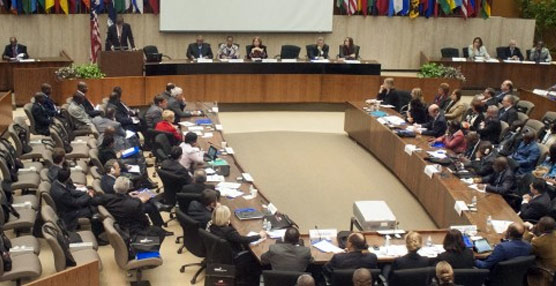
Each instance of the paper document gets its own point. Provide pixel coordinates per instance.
(327, 247)
(394, 120)
(201, 60)
(270, 60)
(252, 233)
(528, 62)
(230, 185)
(492, 61)
(186, 123)
(214, 109)
(410, 148)
(215, 178)
(196, 128)
(210, 171)
(229, 150)
(235, 60)
(272, 208)
(230, 193)
(440, 154)
(208, 135)
(476, 188)
(390, 231)
(430, 170)
(467, 229)
(276, 234)
(247, 177)
(135, 120)
(218, 127)
(460, 207)
(134, 169)
(387, 106)
(431, 251)
(468, 181)
(500, 225)
(321, 61)
(129, 134)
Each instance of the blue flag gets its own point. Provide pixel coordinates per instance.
(390, 8)
(430, 9)
(405, 8)
(111, 13)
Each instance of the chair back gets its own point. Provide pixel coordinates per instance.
(184, 199)
(57, 251)
(48, 200)
(105, 213)
(522, 116)
(449, 53)
(289, 52)
(414, 277)
(465, 51)
(161, 147)
(97, 187)
(536, 125)
(172, 185)
(543, 153)
(470, 277)
(403, 99)
(525, 106)
(93, 157)
(56, 137)
(95, 172)
(549, 117)
(248, 50)
(117, 243)
(501, 53)
(504, 128)
(218, 250)
(281, 278)
(15, 138)
(511, 272)
(4, 169)
(191, 239)
(28, 108)
(341, 277)
(48, 214)
(150, 49)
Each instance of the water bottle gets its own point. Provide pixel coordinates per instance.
(474, 202)
(266, 225)
(386, 244)
(489, 222)
(429, 241)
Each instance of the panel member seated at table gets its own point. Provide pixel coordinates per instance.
(455, 139)
(473, 117)
(536, 204)
(258, 50)
(228, 50)
(388, 93)
(288, 255)
(539, 53)
(199, 50)
(319, 51)
(201, 210)
(512, 52)
(513, 247)
(501, 181)
(456, 253)
(119, 36)
(442, 97)
(356, 256)
(437, 125)
(166, 124)
(348, 50)
(13, 49)
(413, 242)
(477, 49)
(455, 108)
(417, 110)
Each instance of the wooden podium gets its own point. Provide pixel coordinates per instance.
(121, 63)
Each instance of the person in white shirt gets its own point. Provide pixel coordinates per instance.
(477, 49)
(192, 155)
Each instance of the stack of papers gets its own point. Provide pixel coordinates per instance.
(392, 120)
(134, 169)
(276, 234)
(186, 123)
(229, 189)
(440, 154)
(476, 188)
(401, 250)
(327, 247)
(500, 225)
(215, 178)
(252, 233)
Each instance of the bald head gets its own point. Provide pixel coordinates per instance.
(305, 280)
(82, 86)
(362, 277)
(356, 242)
(434, 110)
(109, 131)
(515, 231)
(46, 88)
(492, 111)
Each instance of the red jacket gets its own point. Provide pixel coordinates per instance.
(167, 127)
(455, 142)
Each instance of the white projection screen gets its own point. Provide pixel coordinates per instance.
(246, 15)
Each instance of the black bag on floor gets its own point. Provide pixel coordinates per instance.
(142, 243)
(220, 275)
(63, 242)
(5, 245)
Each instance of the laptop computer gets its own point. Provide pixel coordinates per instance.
(211, 154)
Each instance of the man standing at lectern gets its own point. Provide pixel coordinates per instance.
(13, 49)
(119, 35)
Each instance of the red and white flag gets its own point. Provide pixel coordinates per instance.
(96, 43)
(350, 6)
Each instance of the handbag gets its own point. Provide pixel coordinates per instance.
(5, 245)
(144, 243)
(63, 242)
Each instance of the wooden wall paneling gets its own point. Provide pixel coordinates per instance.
(393, 41)
(193, 86)
(6, 115)
(342, 88)
(542, 104)
(133, 88)
(28, 81)
(292, 88)
(232, 88)
(87, 275)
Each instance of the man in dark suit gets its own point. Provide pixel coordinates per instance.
(489, 95)
(82, 89)
(512, 52)
(154, 113)
(201, 210)
(167, 93)
(490, 129)
(437, 126)
(13, 49)
(319, 51)
(111, 173)
(49, 104)
(508, 112)
(176, 103)
(513, 247)
(173, 166)
(525, 157)
(502, 180)
(119, 34)
(71, 204)
(42, 116)
(354, 257)
(123, 114)
(198, 185)
(537, 204)
(199, 49)
(288, 255)
(505, 88)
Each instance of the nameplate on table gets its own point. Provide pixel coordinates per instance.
(323, 61)
(492, 61)
(288, 60)
(430, 170)
(235, 60)
(512, 61)
(270, 60)
(528, 62)
(352, 61)
(457, 59)
(204, 60)
(322, 234)
(410, 148)
(500, 226)
(460, 207)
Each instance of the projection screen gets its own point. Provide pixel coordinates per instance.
(246, 15)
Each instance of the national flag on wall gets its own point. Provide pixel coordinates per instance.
(445, 6)
(64, 6)
(137, 6)
(364, 7)
(111, 12)
(397, 6)
(119, 5)
(350, 6)
(382, 6)
(96, 43)
(48, 4)
(485, 8)
(154, 5)
(414, 11)
(431, 4)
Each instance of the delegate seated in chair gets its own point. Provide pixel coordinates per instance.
(513, 247)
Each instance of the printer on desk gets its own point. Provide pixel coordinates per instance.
(374, 215)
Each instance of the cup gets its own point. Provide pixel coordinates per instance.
(224, 144)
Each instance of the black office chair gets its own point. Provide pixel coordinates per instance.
(172, 185)
(309, 48)
(527, 53)
(248, 50)
(289, 52)
(511, 272)
(218, 250)
(184, 199)
(465, 52)
(281, 278)
(344, 277)
(470, 277)
(161, 147)
(548, 118)
(192, 241)
(501, 53)
(449, 52)
(356, 47)
(413, 277)
(404, 97)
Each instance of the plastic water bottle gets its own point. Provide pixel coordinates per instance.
(429, 241)
(489, 222)
(387, 241)
(266, 225)
(474, 202)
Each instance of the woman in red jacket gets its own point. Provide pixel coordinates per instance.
(166, 124)
(454, 139)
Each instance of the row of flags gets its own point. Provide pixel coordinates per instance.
(416, 8)
(78, 6)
